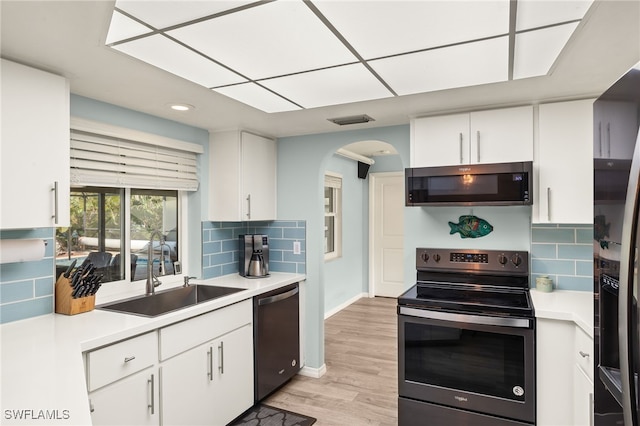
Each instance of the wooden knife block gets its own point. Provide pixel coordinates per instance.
(67, 305)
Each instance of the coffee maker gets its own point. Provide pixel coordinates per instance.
(253, 255)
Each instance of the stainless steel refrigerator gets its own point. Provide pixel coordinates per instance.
(616, 248)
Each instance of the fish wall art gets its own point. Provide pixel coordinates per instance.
(470, 226)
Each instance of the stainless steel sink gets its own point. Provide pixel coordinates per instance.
(169, 300)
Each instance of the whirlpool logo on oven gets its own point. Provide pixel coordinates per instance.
(460, 398)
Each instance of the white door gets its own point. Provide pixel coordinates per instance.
(386, 221)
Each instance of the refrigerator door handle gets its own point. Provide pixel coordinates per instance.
(627, 258)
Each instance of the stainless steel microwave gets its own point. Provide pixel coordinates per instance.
(497, 184)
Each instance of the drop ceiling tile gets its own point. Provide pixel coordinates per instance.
(536, 51)
(538, 13)
(162, 14)
(380, 28)
(170, 56)
(257, 97)
(331, 86)
(269, 40)
(122, 28)
(457, 66)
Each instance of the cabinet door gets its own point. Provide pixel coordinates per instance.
(582, 398)
(565, 164)
(440, 141)
(502, 135)
(233, 370)
(34, 148)
(615, 129)
(258, 177)
(211, 384)
(131, 401)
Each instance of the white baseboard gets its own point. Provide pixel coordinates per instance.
(315, 373)
(344, 305)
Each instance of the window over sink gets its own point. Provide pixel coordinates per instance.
(111, 228)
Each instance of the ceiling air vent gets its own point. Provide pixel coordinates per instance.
(354, 119)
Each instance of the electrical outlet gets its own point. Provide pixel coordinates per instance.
(296, 247)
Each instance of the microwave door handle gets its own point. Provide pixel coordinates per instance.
(627, 267)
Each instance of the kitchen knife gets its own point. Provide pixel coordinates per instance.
(77, 291)
(67, 273)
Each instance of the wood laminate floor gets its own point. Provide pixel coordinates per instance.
(360, 386)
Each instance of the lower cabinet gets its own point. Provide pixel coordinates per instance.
(582, 398)
(211, 384)
(130, 401)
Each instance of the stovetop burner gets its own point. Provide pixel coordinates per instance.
(490, 282)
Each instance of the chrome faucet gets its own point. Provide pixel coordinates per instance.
(152, 280)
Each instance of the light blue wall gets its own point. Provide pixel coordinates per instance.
(347, 276)
(565, 254)
(92, 109)
(302, 161)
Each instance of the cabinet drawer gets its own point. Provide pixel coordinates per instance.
(121, 359)
(190, 333)
(584, 352)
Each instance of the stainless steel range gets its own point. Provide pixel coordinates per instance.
(466, 340)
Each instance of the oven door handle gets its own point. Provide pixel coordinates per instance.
(470, 319)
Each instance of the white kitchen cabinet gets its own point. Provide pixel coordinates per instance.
(212, 356)
(564, 163)
(123, 382)
(130, 401)
(242, 177)
(582, 379)
(219, 377)
(615, 127)
(491, 136)
(34, 150)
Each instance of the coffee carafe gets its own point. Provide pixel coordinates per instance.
(253, 256)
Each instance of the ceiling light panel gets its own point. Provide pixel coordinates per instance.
(269, 40)
(122, 28)
(381, 28)
(538, 13)
(536, 51)
(456, 66)
(170, 56)
(257, 97)
(331, 86)
(162, 14)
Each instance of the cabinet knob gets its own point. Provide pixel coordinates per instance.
(583, 354)
(129, 358)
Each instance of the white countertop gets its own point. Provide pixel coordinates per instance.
(43, 377)
(566, 305)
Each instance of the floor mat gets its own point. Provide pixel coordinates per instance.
(265, 415)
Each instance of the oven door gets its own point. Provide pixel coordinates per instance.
(471, 362)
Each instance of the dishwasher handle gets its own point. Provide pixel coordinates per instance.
(278, 297)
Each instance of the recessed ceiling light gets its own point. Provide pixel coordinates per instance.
(181, 107)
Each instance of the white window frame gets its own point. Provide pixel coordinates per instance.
(331, 180)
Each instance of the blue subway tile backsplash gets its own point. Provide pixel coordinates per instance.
(26, 288)
(564, 253)
(220, 245)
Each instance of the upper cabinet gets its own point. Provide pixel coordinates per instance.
(615, 128)
(242, 170)
(492, 136)
(564, 163)
(34, 148)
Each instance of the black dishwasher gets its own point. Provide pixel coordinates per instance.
(276, 335)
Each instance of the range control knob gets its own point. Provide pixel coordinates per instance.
(425, 256)
(436, 257)
(502, 259)
(516, 259)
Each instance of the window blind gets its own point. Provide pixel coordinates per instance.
(333, 181)
(99, 160)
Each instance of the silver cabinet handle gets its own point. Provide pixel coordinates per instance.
(91, 407)
(221, 357)
(549, 204)
(152, 405)
(249, 206)
(478, 144)
(583, 354)
(608, 140)
(55, 202)
(600, 138)
(591, 408)
(129, 358)
(210, 366)
(461, 158)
